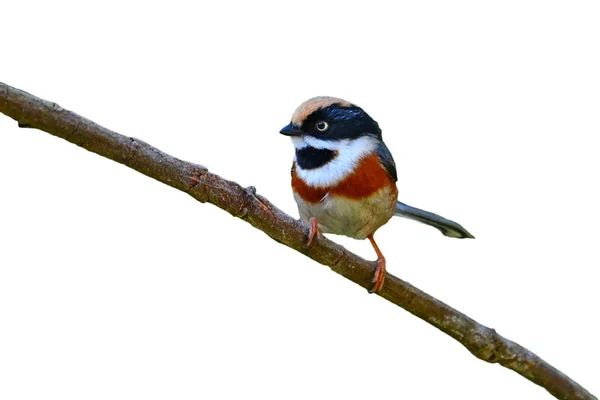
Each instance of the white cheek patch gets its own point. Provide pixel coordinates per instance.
(349, 153)
(301, 142)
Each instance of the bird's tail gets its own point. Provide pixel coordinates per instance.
(447, 227)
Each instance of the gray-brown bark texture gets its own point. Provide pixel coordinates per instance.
(244, 203)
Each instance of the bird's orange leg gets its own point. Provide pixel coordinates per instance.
(313, 232)
(380, 270)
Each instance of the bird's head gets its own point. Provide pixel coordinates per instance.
(329, 119)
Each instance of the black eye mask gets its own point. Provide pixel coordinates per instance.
(344, 123)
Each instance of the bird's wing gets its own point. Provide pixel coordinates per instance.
(386, 159)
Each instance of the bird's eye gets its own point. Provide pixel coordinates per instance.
(322, 126)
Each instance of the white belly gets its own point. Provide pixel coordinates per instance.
(354, 218)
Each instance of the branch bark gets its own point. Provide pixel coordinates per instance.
(483, 342)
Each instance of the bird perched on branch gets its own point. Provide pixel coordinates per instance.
(344, 176)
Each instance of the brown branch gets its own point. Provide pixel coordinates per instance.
(204, 186)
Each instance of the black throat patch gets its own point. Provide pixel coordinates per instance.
(311, 158)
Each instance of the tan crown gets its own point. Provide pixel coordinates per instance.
(314, 104)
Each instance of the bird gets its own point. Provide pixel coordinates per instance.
(344, 177)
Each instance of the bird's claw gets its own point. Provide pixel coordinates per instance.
(379, 276)
(313, 232)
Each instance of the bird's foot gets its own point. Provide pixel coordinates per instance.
(313, 232)
(379, 276)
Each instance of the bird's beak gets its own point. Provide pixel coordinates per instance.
(291, 130)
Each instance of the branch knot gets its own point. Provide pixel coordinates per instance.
(197, 180)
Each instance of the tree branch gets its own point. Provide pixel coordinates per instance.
(483, 342)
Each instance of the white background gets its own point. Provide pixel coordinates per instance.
(115, 286)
